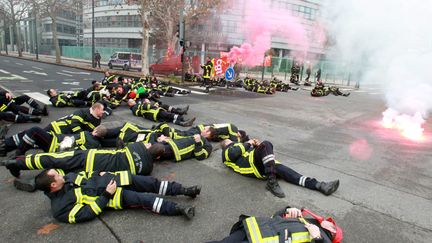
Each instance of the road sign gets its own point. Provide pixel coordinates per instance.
(229, 74)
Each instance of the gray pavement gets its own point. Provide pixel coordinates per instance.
(386, 185)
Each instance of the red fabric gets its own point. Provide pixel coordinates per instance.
(339, 233)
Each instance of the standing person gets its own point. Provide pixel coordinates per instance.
(207, 73)
(308, 73)
(318, 75)
(97, 59)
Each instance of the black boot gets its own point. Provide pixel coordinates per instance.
(12, 166)
(192, 191)
(346, 95)
(274, 188)
(327, 188)
(3, 131)
(186, 123)
(3, 151)
(187, 211)
(27, 185)
(182, 111)
(35, 119)
(45, 110)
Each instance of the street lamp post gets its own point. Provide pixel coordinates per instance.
(35, 34)
(93, 35)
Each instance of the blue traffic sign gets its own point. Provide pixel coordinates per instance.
(229, 74)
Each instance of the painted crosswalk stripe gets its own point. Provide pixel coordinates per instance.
(20, 64)
(64, 74)
(44, 99)
(37, 68)
(3, 71)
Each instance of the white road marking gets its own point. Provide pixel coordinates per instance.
(66, 71)
(44, 99)
(3, 71)
(71, 83)
(20, 64)
(38, 73)
(197, 92)
(87, 79)
(22, 90)
(37, 68)
(65, 74)
(26, 81)
(13, 77)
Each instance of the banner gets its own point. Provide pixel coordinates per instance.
(267, 61)
(220, 65)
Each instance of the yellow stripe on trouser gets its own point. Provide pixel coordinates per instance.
(255, 233)
(37, 161)
(28, 162)
(90, 160)
(252, 164)
(238, 169)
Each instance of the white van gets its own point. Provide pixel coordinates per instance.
(125, 60)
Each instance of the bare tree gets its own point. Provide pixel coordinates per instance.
(17, 10)
(5, 22)
(51, 9)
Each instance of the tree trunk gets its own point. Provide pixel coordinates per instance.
(145, 42)
(18, 35)
(5, 43)
(55, 39)
(171, 39)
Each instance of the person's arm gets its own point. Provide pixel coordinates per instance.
(203, 148)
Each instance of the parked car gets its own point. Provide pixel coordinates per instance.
(167, 66)
(125, 60)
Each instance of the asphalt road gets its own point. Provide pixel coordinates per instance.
(386, 185)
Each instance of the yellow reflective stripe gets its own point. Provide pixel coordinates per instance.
(187, 149)
(54, 143)
(115, 202)
(124, 177)
(131, 161)
(3, 107)
(73, 212)
(37, 161)
(80, 119)
(55, 127)
(251, 162)
(28, 162)
(75, 129)
(200, 127)
(300, 237)
(90, 160)
(243, 150)
(231, 131)
(81, 140)
(175, 150)
(60, 171)
(203, 151)
(79, 179)
(227, 158)
(59, 155)
(255, 233)
(95, 207)
(238, 169)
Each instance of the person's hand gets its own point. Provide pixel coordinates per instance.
(256, 142)
(146, 101)
(156, 104)
(250, 141)
(162, 138)
(102, 173)
(111, 187)
(313, 231)
(293, 213)
(9, 96)
(197, 138)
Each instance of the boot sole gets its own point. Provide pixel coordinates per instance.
(28, 187)
(277, 195)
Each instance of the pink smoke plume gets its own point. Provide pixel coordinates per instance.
(262, 23)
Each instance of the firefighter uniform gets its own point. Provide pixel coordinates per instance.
(80, 120)
(73, 100)
(207, 69)
(154, 113)
(14, 105)
(274, 229)
(131, 133)
(11, 117)
(37, 137)
(186, 148)
(83, 196)
(260, 162)
(134, 158)
(223, 131)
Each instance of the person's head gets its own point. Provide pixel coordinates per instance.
(156, 150)
(119, 89)
(100, 131)
(51, 92)
(131, 102)
(97, 110)
(107, 74)
(49, 180)
(225, 143)
(208, 59)
(242, 136)
(209, 132)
